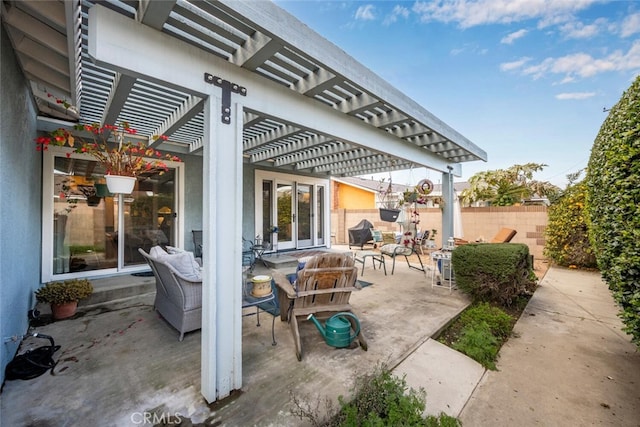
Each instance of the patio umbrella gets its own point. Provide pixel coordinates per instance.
(457, 218)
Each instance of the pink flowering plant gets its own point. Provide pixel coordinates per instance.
(123, 158)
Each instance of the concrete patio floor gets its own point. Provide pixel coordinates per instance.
(120, 362)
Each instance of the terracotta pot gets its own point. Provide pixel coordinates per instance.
(120, 184)
(64, 310)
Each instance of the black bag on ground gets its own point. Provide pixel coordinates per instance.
(32, 363)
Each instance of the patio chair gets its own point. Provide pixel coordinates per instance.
(408, 246)
(178, 297)
(197, 242)
(323, 286)
(503, 236)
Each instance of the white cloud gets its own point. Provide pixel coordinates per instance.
(366, 13)
(537, 71)
(469, 13)
(630, 25)
(510, 66)
(575, 95)
(510, 38)
(398, 11)
(578, 30)
(584, 65)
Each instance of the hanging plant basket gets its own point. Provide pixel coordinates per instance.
(390, 215)
(93, 201)
(120, 184)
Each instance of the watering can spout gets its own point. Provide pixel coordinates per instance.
(321, 328)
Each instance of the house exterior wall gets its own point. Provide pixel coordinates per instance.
(349, 197)
(529, 221)
(192, 199)
(248, 201)
(20, 207)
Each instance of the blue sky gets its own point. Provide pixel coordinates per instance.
(524, 80)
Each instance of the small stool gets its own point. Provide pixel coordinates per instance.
(361, 257)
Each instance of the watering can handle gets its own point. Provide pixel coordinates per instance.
(354, 317)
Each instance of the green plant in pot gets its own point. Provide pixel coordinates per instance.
(64, 296)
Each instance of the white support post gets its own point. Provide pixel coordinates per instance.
(447, 209)
(222, 275)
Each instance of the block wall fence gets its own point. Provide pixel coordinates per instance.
(529, 221)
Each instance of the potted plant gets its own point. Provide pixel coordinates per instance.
(387, 202)
(64, 296)
(122, 160)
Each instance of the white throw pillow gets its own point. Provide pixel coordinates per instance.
(174, 250)
(185, 264)
(157, 252)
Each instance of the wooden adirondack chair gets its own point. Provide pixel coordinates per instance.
(322, 287)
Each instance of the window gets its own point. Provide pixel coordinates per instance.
(88, 231)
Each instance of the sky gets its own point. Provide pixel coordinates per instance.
(525, 80)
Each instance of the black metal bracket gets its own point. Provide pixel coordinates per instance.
(227, 88)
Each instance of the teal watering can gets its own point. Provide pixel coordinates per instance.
(337, 329)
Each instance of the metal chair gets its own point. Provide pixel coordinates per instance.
(197, 242)
(405, 248)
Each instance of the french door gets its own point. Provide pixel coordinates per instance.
(295, 207)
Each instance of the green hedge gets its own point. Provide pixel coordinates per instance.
(494, 272)
(566, 239)
(613, 204)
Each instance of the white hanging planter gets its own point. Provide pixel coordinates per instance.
(120, 184)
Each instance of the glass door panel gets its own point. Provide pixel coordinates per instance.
(320, 232)
(82, 218)
(149, 216)
(267, 214)
(304, 214)
(284, 203)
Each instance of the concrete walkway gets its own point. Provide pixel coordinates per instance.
(569, 363)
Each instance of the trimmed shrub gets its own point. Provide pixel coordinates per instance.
(613, 204)
(494, 272)
(566, 239)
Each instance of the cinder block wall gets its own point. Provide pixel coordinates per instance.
(529, 221)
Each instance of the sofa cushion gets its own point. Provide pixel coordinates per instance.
(157, 252)
(395, 249)
(184, 263)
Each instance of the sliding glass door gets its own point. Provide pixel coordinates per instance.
(299, 209)
(89, 231)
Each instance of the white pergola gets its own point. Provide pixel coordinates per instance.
(235, 82)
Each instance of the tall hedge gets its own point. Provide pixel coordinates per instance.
(613, 204)
(566, 239)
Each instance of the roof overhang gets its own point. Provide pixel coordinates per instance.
(310, 107)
